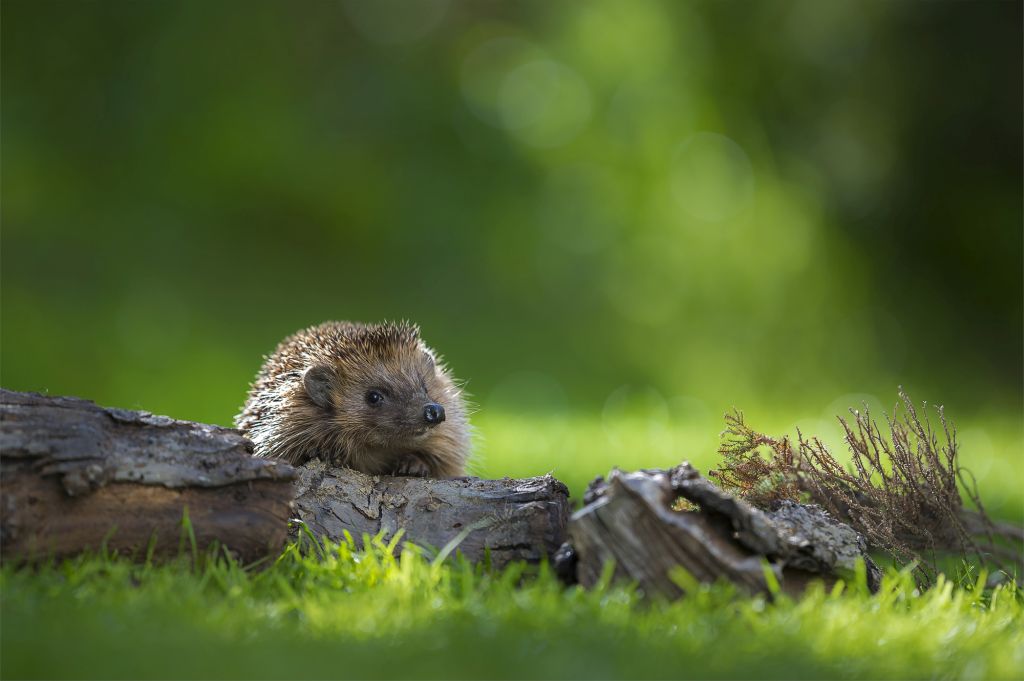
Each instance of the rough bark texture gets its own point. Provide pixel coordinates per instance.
(74, 476)
(629, 519)
(509, 519)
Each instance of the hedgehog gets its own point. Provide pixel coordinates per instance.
(371, 397)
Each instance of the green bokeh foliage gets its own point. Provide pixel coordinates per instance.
(762, 204)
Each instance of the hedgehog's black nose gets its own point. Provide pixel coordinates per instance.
(433, 413)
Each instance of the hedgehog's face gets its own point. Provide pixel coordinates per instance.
(392, 399)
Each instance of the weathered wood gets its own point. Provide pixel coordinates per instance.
(507, 519)
(629, 520)
(74, 476)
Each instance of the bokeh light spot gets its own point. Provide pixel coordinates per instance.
(526, 92)
(544, 103)
(484, 70)
(712, 177)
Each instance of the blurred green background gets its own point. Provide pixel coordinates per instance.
(615, 219)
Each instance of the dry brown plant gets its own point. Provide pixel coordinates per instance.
(903, 490)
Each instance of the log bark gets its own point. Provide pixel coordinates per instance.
(75, 476)
(500, 520)
(629, 521)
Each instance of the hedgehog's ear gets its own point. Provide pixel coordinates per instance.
(317, 381)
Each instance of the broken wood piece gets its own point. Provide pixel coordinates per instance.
(75, 476)
(505, 520)
(629, 520)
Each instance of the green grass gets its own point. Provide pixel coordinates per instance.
(364, 614)
(358, 614)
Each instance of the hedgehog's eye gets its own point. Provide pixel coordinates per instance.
(374, 397)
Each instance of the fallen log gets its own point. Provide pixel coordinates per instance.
(75, 476)
(503, 520)
(631, 520)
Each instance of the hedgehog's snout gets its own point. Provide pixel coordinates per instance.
(433, 413)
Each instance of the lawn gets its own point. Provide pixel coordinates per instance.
(350, 613)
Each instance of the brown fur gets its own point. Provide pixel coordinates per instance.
(284, 419)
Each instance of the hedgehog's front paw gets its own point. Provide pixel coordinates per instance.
(413, 467)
